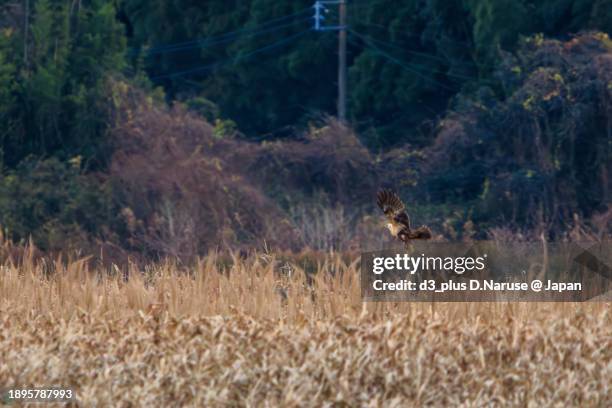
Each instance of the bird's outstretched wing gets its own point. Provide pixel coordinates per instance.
(393, 207)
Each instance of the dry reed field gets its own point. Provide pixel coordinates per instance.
(241, 332)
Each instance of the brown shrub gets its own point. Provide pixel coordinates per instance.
(184, 190)
(329, 160)
(180, 194)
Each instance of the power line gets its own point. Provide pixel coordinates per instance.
(226, 35)
(233, 59)
(409, 35)
(425, 55)
(399, 62)
(404, 49)
(229, 34)
(207, 43)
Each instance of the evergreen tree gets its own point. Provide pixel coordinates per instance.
(7, 88)
(59, 83)
(53, 75)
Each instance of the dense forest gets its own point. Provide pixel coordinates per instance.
(171, 127)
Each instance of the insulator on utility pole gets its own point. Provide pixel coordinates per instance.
(318, 16)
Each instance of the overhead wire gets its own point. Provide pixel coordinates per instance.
(407, 34)
(424, 55)
(404, 49)
(234, 59)
(400, 63)
(224, 36)
(207, 43)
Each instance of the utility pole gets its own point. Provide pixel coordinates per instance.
(26, 29)
(320, 8)
(342, 62)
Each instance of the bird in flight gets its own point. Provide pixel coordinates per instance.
(398, 220)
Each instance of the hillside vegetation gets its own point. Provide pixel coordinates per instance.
(481, 124)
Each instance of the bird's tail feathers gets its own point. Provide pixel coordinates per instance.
(420, 233)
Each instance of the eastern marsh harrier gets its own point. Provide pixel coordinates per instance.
(399, 222)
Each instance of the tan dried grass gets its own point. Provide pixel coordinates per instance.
(220, 334)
